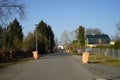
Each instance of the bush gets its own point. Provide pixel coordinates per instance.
(13, 55)
(117, 45)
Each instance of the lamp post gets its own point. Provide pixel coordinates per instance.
(49, 43)
(36, 38)
(35, 53)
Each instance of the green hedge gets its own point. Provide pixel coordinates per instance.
(13, 55)
(117, 45)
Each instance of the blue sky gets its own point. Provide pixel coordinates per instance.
(70, 14)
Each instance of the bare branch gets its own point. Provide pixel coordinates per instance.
(118, 31)
(118, 26)
(91, 31)
(10, 8)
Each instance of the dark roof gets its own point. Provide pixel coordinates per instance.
(98, 39)
(98, 36)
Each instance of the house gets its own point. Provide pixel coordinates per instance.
(60, 47)
(95, 40)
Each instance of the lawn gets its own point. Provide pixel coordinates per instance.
(104, 60)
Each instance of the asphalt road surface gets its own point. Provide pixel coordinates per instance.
(55, 66)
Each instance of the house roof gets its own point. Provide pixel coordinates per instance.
(98, 36)
(98, 39)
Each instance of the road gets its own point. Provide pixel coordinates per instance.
(55, 66)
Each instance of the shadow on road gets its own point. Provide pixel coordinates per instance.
(55, 55)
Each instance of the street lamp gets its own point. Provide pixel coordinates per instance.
(49, 43)
(35, 53)
(36, 38)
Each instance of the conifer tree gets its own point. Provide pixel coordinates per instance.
(42, 36)
(81, 36)
(45, 37)
(15, 35)
(51, 38)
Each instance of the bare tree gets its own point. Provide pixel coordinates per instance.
(118, 31)
(118, 26)
(91, 31)
(10, 8)
(73, 35)
(65, 38)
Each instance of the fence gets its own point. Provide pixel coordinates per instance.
(107, 52)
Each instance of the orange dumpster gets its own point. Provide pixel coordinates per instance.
(85, 57)
(35, 55)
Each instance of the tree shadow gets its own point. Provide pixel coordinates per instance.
(54, 55)
(94, 62)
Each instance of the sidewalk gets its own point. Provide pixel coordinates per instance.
(107, 72)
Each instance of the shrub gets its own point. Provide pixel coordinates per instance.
(117, 45)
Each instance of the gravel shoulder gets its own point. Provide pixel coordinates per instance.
(107, 72)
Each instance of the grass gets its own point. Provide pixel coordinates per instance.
(104, 60)
(4, 65)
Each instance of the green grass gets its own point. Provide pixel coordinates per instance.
(105, 60)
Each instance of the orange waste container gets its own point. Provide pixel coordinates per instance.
(35, 55)
(85, 57)
(67, 51)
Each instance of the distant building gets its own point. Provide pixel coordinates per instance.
(112, 42)
(95, 40)
(60, 47)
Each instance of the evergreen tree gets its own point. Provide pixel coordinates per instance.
(51, 38)
(81, 36)
(15, 37)
(42, 28)
(3, 38)
(45, 37)
(42, 36)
